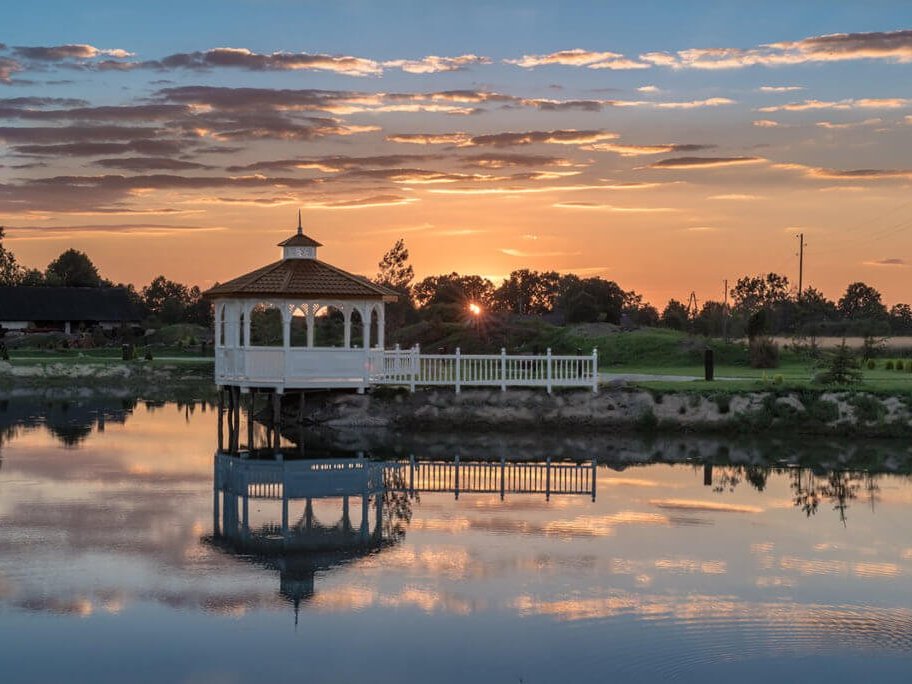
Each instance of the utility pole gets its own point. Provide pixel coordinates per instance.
(725, 310)
(692, 310)
(800, 237)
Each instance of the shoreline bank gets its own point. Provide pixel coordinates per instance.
(618, 407)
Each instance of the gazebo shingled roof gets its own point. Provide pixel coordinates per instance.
(301, 278)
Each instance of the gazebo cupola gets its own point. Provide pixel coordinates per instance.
(302, 290)
(299, 246)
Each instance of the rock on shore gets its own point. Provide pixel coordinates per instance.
(617, 409)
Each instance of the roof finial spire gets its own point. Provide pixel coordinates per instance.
(300, 229)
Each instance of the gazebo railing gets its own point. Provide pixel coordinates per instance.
(344, 367)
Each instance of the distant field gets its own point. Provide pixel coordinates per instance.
(898, 343)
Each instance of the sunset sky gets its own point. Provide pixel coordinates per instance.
(664, 145)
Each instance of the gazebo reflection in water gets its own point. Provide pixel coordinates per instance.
(266, 504)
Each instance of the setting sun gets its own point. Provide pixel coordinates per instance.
(474, 309)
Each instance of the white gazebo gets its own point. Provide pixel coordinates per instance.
(307, 296)
(298, 286)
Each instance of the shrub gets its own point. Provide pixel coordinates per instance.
(778, 379)
(763, 353)
(723, 402)
(868, 408)
(148, 354)
(899, 365)
(872, 346)
(647, 421)
(822, 410)
(888, 365)
(871, 364)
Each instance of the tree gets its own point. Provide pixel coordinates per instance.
(752, 293)
(528, 292)
(610, 300)
(711, 319)
(167, 300)
(454, 288)
(395, 271)
(901, 319)
(581, 307)
(73, 269)
(32, 277)
(861, 301)
(10, 271)
(675, 316)
(813, 308)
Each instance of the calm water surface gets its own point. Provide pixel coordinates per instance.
(123, 557)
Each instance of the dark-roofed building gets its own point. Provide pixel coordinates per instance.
(66, 308)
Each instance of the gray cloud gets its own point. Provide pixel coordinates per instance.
(111, 193)
(888, 262)
(26, 102)
(94, 149)
(703, 162)
(44, 135)
(148, 112)
(890, 45)
(336, 162)
(65, 52)
(140, 164)
(7, 68)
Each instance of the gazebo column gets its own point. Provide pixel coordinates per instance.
(365, 312)
(247, 308)
(311, 310)
(347, 315)
(237, 324)
(286, 326)
(381, 326)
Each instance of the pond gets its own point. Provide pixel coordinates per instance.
(131, 551)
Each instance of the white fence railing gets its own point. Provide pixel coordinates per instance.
(411, 368)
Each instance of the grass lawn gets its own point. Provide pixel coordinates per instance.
(795, 375)
(22, 357)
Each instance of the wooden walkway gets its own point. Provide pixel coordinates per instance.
(411, 368)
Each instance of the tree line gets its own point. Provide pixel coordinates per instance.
(759, 304)
(162, 302)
